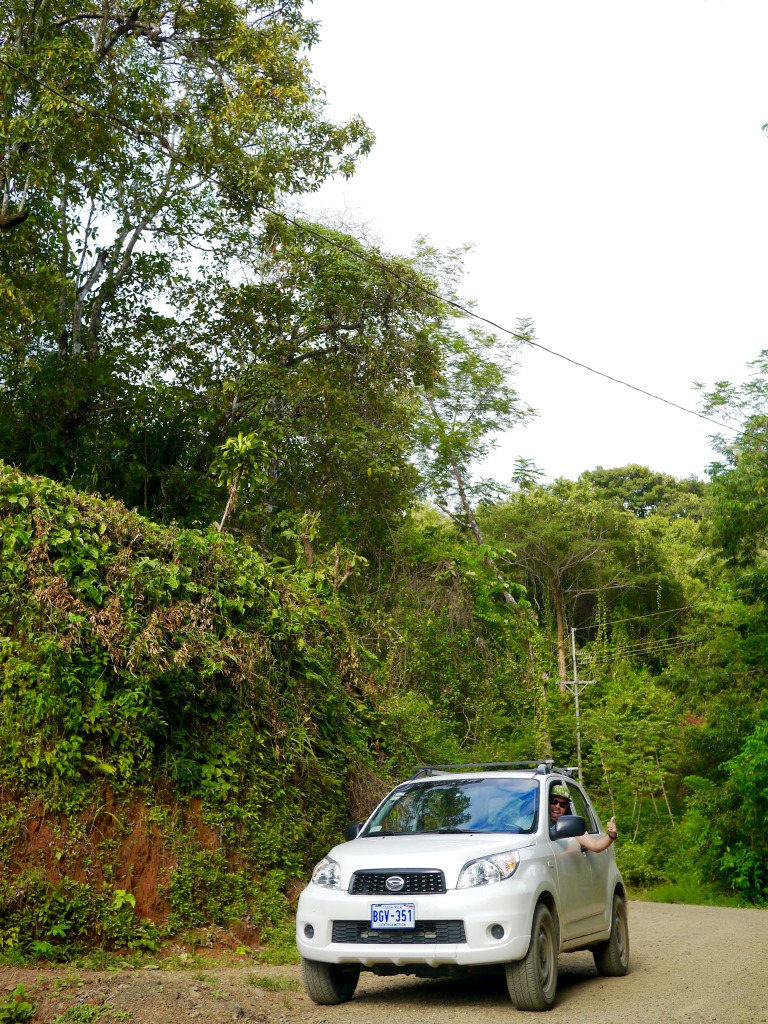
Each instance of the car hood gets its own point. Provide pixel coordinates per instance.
(448, 853)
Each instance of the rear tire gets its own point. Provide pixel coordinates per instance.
(532, 981)
(328, 984)
(612, 957)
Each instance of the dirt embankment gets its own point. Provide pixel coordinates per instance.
(113, 844)
(688, 964)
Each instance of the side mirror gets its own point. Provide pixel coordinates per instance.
(567, 827)
(352, 831)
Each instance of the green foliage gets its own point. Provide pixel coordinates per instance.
(126, 649)
(642, 492)
(242, 459)
(49, 921)
(119, 636)
(111, 118)
(740, 477)
(295, 391)
(272, 984)
(413, 723)
(321, 355)
(15, 1009)
(140, 149)
(86, 1013)
(576, 549)
(688, 892)
(251, 708)
(204, 888)
(740, 521)
(724, 824)
(470, 401)
(280, 944)
(638, 867)
(633, 741)
(456, 653)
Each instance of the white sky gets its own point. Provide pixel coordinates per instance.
(606, 159)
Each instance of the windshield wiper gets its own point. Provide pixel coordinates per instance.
(446, 831)
(423, 832)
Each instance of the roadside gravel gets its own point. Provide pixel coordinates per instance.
(688, 964)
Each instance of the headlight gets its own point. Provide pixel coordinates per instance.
(488, 869)
(327, 873)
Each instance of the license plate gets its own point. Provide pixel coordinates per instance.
(393, 915)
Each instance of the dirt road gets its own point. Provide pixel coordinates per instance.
(688, 964)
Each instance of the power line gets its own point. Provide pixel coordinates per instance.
(657, 646)
(642, 647)
(634, 618)
(164, 147)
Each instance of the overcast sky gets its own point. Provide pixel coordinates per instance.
(606, 160)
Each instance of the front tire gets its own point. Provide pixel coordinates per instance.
(328, 984)
(532, 981)
(612, 957)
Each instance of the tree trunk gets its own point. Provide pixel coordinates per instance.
(663, 790)
(542, 739)
(562, 671)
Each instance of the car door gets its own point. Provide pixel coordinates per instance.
(574, 878)
(598, 903)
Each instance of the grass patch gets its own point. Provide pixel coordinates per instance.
(691, 893)
(272, 984)
(88, 1014)
(279, 945)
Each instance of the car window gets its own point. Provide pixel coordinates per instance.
(471, 805)
(581, 807)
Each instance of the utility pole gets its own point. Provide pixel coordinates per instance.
(575, 686)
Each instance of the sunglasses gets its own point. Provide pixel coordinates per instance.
(560, 802)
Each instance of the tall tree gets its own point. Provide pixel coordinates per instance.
(309, 343)
(573, 551)
(469, 403)
(132, 137)
(740, 475)
(164, 120)
(643, 492)
(322, 349)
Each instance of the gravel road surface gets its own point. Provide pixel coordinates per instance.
(688, 964)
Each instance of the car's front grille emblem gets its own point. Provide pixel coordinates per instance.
(395, 883)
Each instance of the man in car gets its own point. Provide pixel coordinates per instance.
(559, 804)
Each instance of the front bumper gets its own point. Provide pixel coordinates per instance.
(479, 909)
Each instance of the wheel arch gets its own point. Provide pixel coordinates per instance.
(548, 899)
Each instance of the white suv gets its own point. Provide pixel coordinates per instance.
(458, 869)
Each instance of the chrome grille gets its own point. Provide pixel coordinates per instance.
(374, 883)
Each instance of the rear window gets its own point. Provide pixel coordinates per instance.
(458, 805)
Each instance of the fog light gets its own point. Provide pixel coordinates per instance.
(309, 931)
(497, 931)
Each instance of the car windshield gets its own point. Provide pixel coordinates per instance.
(458, 805)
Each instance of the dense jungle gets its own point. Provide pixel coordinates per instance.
(250, 574)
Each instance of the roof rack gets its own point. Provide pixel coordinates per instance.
(541, 767)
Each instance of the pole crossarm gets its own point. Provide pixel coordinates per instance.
(573, 684)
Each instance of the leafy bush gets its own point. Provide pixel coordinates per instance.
(166, 666)
(50, 921)
(15, 1009)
